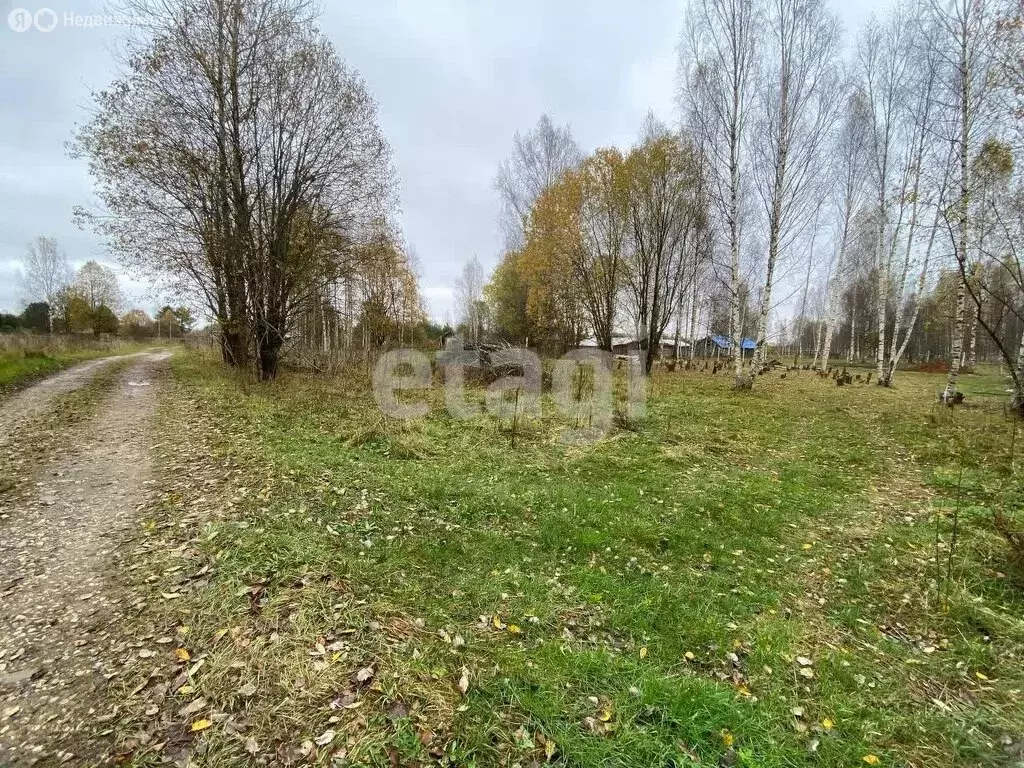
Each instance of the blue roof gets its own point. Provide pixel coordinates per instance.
(723, 342)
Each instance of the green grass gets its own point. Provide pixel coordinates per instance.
(20, 367)
(642, 601)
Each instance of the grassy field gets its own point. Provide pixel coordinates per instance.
(26, 358)
(757, 579)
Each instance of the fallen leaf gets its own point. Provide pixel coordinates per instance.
(201, 725)
(464, 681)
(871, 759)
(247, 690)
(252, 746)
(193, 707)
(643, 652)
(182, 655)
(364, 674)
(827, 724)
(727, 738)
(325, 738)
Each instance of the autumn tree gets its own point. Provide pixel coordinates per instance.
(136, 324)
(507, 295)
(235, 145)
(539, 158)
(98, 285)
(667, 214)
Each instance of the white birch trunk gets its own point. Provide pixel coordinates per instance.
(957, 352)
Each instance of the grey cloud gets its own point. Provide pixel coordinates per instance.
(454, 80)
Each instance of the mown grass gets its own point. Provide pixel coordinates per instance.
(745, 577)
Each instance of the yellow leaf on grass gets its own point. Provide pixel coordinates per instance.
(871, 760)
(220, 634)
(743, 690)
(498, 623)
(981, 676)
(182, 655)
(688, 656)
(550, 748)
(643, 652)
(201, 725)
(727, 738)
(514, 629)
(808, 545)
(827, 724)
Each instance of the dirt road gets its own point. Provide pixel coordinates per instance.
(58, 613)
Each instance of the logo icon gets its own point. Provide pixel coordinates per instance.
(45, 20)
(20, 20)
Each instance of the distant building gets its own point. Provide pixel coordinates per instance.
(717, 345)
(624, 345)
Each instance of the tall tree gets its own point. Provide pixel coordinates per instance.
(667, 214)
(235, 152)
(850, 167)
(718, 62)
(469, 290)
(44, 272)
(98, 285)
(884, 57)
(966, 45)
(798, 108)
(538, 160)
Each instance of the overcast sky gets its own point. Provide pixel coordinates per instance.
(454, 80)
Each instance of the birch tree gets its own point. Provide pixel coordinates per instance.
(469, 291)
(538, 160)
(850, 169)
(915, 192)
(44, 273)
(718, 66)
(799, 106)
(966, 46)
(587, 225)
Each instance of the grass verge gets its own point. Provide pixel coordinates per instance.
(28, 359)
(746, 578)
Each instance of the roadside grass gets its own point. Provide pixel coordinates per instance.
(27, 358)
(744, 578)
